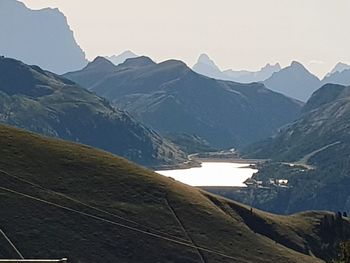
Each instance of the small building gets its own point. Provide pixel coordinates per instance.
(282, 182)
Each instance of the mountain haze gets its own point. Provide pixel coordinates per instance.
(40, 101)
(171, 98)
(207, 67)
(294, 81)
(119, 59)
(39, 37)
(339, 68)
(338, 77)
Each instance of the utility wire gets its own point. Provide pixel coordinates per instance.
(90, 206)
(11, 244)
(208, 250)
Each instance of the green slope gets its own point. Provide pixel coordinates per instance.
(59, 199)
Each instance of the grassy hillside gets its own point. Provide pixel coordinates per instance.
(59, 199)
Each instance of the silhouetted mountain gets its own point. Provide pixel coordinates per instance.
(207, 67)
(294, 81)
(38, 37)
(339, 68)
(60, 199)
(245, 76)
(171, 98)
(319, 143)
(40, 101)
(119, 59)
(338, 77)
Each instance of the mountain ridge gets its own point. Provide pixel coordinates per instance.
(294, 81)
(171, 98)
(49, 104)
(207, 67)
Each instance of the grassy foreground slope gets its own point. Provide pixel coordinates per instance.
(165, 219)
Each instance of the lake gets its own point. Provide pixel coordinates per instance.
(213, 174)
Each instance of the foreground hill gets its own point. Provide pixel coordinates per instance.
(171, 98)
(60, 199)
(318, 145)
(39, 37)
(40, 101)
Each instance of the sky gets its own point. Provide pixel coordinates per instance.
(236, 34)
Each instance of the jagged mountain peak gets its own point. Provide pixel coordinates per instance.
(340, 67)
(297, 64)
(269, 66)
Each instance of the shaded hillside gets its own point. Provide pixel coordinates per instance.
(318, 147)
(62, 199)
(38, 37)
(324, 121)
(40, 101)
(294, 81)
(190, 143)
(171, 98)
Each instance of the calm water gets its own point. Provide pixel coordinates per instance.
(213, 174)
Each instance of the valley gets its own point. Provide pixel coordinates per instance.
(174, 131)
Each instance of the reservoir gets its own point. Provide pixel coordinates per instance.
(213, 174)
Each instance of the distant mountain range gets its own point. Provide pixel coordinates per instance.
(338, 68)
(43, 102)
(207, 67)
(62, 199)
(338, 77)
(171, 98)
(119, 59)
(38, 37)
(294, 81)
(318, 145)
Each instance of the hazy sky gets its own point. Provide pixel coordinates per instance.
(238, 34)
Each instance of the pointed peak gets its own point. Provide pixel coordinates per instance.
(128, 53)
(340, 67)
(138, 62)
(100, 63)
(296, 64)
(100, 59)
(121, 58)
(203, 56)
(205, 59)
